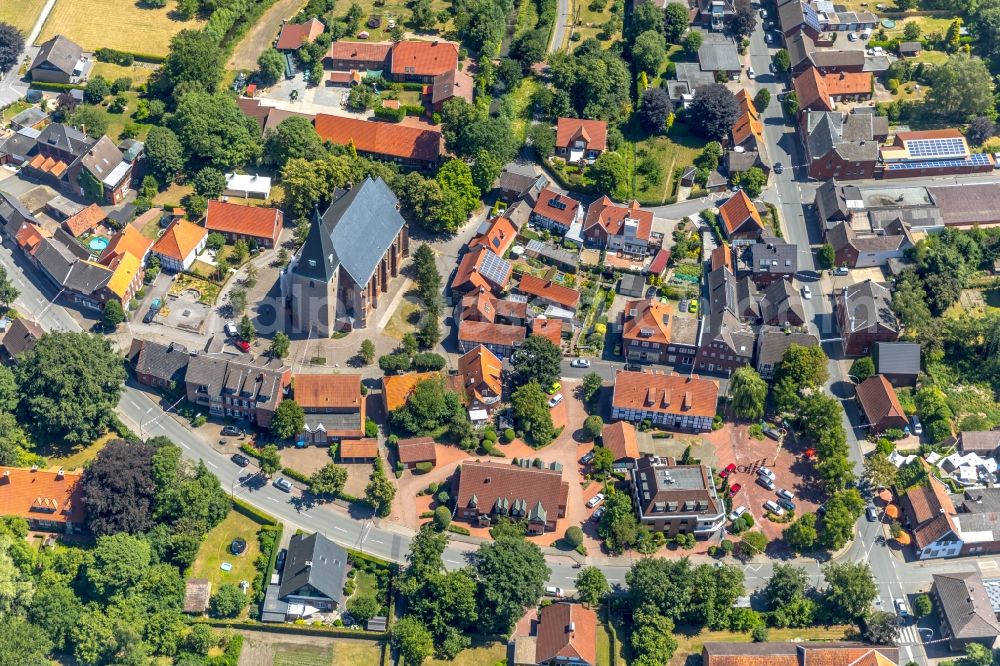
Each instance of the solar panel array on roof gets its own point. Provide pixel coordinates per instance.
(494, 269)
(936, 147)
(555, 203)
(976, 159)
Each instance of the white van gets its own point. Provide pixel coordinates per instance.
(771, 506)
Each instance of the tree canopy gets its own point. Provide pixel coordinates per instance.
(748, 393)
(214, 131)
(538, 360)
(961, 90)
(511, 575)
(713, 111)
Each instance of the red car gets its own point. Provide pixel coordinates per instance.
(243, 346)
(730, 468)
(735, 488)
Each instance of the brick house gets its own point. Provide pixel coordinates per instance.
(671, 401)
(879, 404)
(409, 146)
(254, 225)
(580, 141)
(623, 229)
(648, 334)
(677, 499)
(740, 219)
(865, 316)
(556, 212)
(488, 491)
(235, 389)
(49, 500)
(333, 405)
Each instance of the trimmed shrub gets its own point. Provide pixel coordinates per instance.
(423, 467)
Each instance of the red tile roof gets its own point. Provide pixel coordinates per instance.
(84, 221)
(129, 239)
(815, 90)
(294, 35)
(486, 333)
(416, 450)
(611, 217)
(722, 256)
(30, 235)
(396, 389)
(481, 370)
(737, 211)
(41, 495)
(557, 207)
(651, 322)
(180, 239)
(498, 238)
(255, 221)
(621, 439)
(489, 482)
(470, 276)
(879, 401)
(593, 132)
(659, 263)
(424, 58)
(549, 290)
(566, 632)
(319, 391)
(359, 51)
(748, 122)
(358, 448)
(551, 329)
(669, 394)
(378, 138)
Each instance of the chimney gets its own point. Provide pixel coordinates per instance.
(487, 479)
(309, 564)
(571, 627)
(60, 473)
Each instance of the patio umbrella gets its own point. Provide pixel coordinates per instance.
(903, 539)
(885, 495)
(892, 511)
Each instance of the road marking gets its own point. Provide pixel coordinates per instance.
(274, 500)
(452, 562)
(210, 463)
(988, 564)
(340, 529)
(376, 541)
(185, 446)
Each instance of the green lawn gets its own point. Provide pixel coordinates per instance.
(138, 72)
(70, 458)
(589, 21)
(482, 653)
(404, 319)
(290, 654)
(677, 149)
(215, 550)
(604, 647)
(12, 110)
(365, 584)
(928, 24)
(521, 101)
(117, 121)
(932, 57)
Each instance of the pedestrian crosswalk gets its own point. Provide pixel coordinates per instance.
(908, 635)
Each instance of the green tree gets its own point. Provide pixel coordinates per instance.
(618, 527)
(113, 314)
(825, 256)
(922, 605)
(592, 586)
(531, 412)
(753, 180)
(713, 111)
(293, 138)
(879, 471)
(786, 584)
(911, 30)
(592, 383)
(850, 592)
(8, 390)
(214, 131)
(209, 183)
(8, 292)
(118, 563)
(70, 385)
(610, 174)
(762, 99)
(367, 352)
(455, 176)
(691, 42)
(328, 480)
(380, 492)
(164, 154)
(862, 368)
(782, 61)
(279, 345)
(215, 241)
(842, 512)
(961, 90)
(573, 536)
(676, 22)
(652, 637)
(269, 459)
(442, 517)
(363, 607)
(23, 643)
(309, 183)
(228, 601)
(246, 329)
(882, 628)
(537, 360)
(511, 575)
(412, 639)
(485, 170)
(753, 543)
(289, 419)
(649, 51)
(747, 393)
(238, 302)
(55, 607)
(801, 535)
(270, 67)
(801, 367)
(603, 460)
(194, 62)
(592, 426)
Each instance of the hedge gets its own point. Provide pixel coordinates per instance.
(393, 115)
(125, 58)
(265, 576)
(413, 109)
(358, 556)
(458, 529)
(295, 474)
(252, 512)
(300, 629)
(424, 467)
(54, 87)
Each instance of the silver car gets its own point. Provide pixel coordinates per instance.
(281, 483)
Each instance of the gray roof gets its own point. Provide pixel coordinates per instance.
(354, 233)
(831, 202)
(980, 441)
(21, 336)
(850, 135)
(29, 116)
(19, 144)
(13, 214)
(317, 562)
(981, 500)
(59, 52)
(773, 256)
(65, 138)
(773, 341)
(724, 327)
(910, 47)
(898, 358)
(869, 303)
(782, 304)
(519, 213)
(965, 605)
(739, 161)
(219, 375)
(557, 255)
(61, 263)
(102, 158)
(914, 216)
(692, 74)
(632, 283)
(719, 57)
(165, 362)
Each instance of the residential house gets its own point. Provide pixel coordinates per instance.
(865, 316)
(483, 306)
(67, 266)
(805, 52)
(854, 250)
(624, 229)
(781, 305)
(899, 362)
(565, 634)
(547, 292)
(180, 245)
(670, 401)
(85, 221)
(65, 158)
(498, 237)
(652, 333)
(816, 18)
(232, 388)
(822, 92)
(928, 153)
(416, 450)
(740, 219)
(294, 35)
(725, 344)
(358, 450)
(557, 212)
(129, 239)
(772, 343)
(104, 174)
(804, 653)
(564, 260)
(690, 77)
(488, 491)
(746, 147)
(880, 406)
(620, 438)
(481, 372)
(836, 202)
(159, 365)
(842, 145)
(500, 339)
(580, 141)
(768, 260)
(267, 118)
(481, 269)
(14, 217)
(51, 501)
(59, 60)
(359, 56)
(515, 185)
(722, 257)
(251, 186)
(983, 442)
(966, 610)
(632, 285)
(550, 329)
(254, 225)
(677, 499)
(409, 146)
(20, 337)
(718, 54)
(312, 580)
(929, 514)
(333, 405)
(397, 389)
(351, 253)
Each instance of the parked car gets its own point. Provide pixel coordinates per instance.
(786, 494)
(240, 459)
(771, 432)
(231, 431)
(684, 305)
(693, 306)
(901, 609)
(231, 330)
(750, 73)
(553, 591)
(587, 457)
(580, 363)
(735, 488)
(840, 270)
(554, 388)
(595, 500)
(766, 482)
(555, 400)
(771, 506)
(915, 426)
(763, 13)
(730, 468)
(281, 483)
(871, 513)
(806, 292)
(768, 38)
(243, 346)
(785, 504)
(596, 516)
(765, 472)
(737, 512)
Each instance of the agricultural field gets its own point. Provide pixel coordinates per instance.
(21, 14)
(115, 24)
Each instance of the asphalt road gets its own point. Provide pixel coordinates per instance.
(559, 29)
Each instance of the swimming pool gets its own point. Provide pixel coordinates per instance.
(98, 243)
